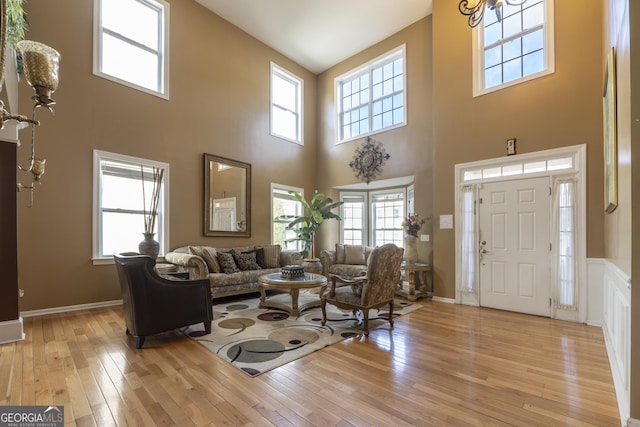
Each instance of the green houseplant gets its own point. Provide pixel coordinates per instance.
(305, 226)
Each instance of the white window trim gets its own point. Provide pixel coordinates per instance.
(365, 216)
(300, 100)
(98, 155)
(478, 55)
(371, 198)
(280, 187)
(579, 170)
(97, 48)
(338, 96)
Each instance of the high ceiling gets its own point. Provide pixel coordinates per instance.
(318, 34)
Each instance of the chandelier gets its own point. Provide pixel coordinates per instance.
(475, 11)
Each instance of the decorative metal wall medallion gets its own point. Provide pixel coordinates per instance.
(368, 160)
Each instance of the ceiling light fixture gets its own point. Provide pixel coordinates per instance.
(475, 11)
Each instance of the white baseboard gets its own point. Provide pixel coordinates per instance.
(68, 308)
(442, 299)
(632, 422)
(11, 331)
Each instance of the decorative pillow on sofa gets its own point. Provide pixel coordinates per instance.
(354, 254)
(227, 263)
(271, 256)
(259, 256)
(354, 251)
(210, 256)
(246, 261)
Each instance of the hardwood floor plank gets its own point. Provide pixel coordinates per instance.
(441, 365)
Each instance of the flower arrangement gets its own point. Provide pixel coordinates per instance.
(411, 224)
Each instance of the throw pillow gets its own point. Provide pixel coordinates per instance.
(196, 250)
(354, 254)
(259, 256)
(246, 261)
(339, 253)
(271, 256)
(227, 263)
(210, 256)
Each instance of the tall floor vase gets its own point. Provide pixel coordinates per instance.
(410, 249)
(149, 246)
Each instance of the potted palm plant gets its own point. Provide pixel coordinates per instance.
(305, 226)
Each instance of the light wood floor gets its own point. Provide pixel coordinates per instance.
(442, 365)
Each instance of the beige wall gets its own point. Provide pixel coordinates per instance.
(409, 146)
(554, 111)
(219, 86)
(622, 240)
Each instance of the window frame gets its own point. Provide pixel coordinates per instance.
(478, 54)
(285, 188)
(369, 219)
(163, 42)
(298, 82)
(364, 196)
(368, 67)
(162, 220)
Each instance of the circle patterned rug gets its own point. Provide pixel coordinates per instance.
(257, 340)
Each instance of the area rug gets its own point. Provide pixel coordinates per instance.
(257, 340)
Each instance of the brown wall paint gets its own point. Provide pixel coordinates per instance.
(622, 240)
(558, 110)
(219, 90)
(409, 146)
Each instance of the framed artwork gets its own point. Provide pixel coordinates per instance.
(511, 147)
(610, 136)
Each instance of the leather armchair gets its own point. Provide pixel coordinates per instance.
(153, 304)
(376, 289)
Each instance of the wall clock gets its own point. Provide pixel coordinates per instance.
(368, 160)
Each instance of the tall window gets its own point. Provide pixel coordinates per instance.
(373, 218)
(286, 104)
(387, 214)
(284, 203)
(354, 218)
(372, 98)
(516, 49)
(118, 218)
(131, 43)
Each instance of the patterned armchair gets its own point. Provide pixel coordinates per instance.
(153, 304)
(373, 290)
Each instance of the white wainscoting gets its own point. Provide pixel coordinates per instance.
(609, 305)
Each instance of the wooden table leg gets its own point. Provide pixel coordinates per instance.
(294, 302)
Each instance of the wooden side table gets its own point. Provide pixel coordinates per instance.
(416, 275)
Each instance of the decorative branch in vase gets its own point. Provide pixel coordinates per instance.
(149, 246)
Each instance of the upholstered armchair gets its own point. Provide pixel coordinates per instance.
(153, 304)
(373, 290)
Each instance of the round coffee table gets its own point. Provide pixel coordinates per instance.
(276, 281)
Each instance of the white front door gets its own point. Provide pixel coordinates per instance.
(514, 236)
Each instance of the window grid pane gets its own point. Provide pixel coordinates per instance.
(121, 208)
(286, 104)
(284, 204)
(387, 220)
(513, 48)
(131, 42)
(373, 100)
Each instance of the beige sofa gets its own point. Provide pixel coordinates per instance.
(214, 264)
(345, 260)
